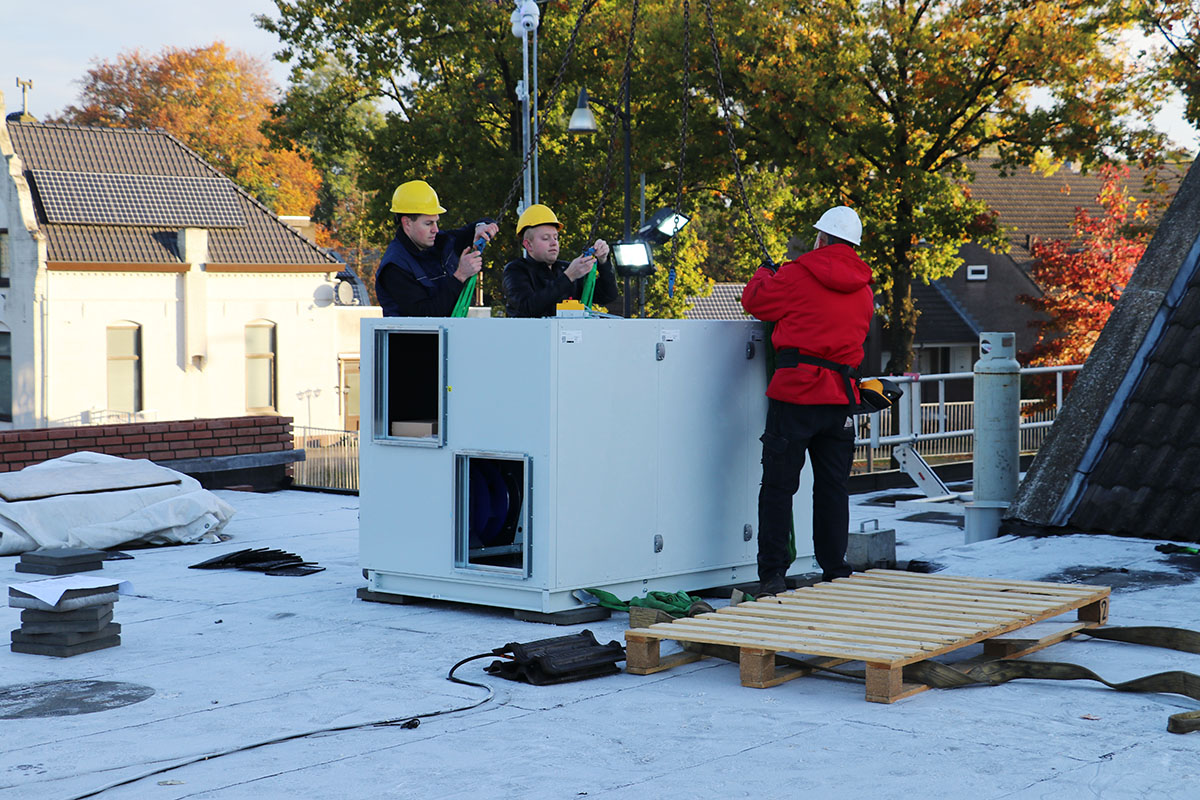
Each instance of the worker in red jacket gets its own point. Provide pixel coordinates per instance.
(822, 305)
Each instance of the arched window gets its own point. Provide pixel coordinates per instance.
(125, 367)
(260, 366)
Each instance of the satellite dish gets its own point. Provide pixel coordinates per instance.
(344, 293)
(323, 294)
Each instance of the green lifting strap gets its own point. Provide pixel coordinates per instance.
(589, 283)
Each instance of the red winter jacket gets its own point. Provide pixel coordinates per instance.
(822, 304)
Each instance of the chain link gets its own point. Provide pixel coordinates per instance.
(683, 134)
(612, 147)
(737, 167)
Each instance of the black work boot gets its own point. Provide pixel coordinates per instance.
(772, 585)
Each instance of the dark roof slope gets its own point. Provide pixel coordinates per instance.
(71, 148)
(1123, 456)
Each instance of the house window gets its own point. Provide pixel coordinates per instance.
(4, 257)
(260, 366)
(977, 272)
(125, 367)
(5, 376)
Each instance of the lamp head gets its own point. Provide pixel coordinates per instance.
(582, 119)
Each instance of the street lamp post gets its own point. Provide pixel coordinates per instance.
(584, 121)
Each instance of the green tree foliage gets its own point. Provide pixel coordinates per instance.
(324, 112)
(213, 99)
(879, 104)
(1177, 23)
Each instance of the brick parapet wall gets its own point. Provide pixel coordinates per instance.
(157, 441)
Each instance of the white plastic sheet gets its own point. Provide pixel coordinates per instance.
(171, 514)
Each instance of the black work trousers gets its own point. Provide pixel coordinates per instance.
(822, 432)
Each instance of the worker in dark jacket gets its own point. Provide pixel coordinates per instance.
(537, 282)
(424, 269)
(822, 305)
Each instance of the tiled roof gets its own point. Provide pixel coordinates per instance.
(1038, 207)
(70, 148)
(941, 321)
(1123, 456)
(725, 302)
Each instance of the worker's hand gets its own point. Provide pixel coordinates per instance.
(469, 263)
(580, 266)
(601, 248)
(486, 230)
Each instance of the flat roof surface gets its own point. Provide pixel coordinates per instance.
(237, 658)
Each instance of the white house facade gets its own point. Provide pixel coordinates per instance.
(137, 282)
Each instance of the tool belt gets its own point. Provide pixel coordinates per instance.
(786, 357)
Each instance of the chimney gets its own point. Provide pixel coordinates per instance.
(192, 245)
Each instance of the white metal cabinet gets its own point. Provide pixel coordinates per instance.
(620, 454)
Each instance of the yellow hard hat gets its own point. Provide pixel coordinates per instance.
(416, 197)
(537, 214)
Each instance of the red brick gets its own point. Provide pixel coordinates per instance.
(32, 436)
(224, 451)
(135, 439)
(22, 456)
(12, 447)
(181, 436)
(157, 427)
(181, 426)
(192, 453)
(206, 452)
(276, 447)
(105, 441)
(58, 434)
(155, 447)
(219, 424)
(247, 422)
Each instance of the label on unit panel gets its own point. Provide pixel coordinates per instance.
(570, 337)
(670, 335)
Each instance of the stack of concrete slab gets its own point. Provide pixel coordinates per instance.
(80, 621)
(61, 561)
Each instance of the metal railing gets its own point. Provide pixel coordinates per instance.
(946, 429)
(330, 458)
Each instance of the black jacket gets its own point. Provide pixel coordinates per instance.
(534, 289)
(412, 282)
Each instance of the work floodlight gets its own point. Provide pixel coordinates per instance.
(662, 225)
(632, 259)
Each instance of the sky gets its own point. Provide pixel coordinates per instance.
(55, 50)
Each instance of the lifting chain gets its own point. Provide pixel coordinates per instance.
(612, 146)
(737, 167)
(683, 134)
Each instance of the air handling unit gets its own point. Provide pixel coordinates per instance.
(510, 462)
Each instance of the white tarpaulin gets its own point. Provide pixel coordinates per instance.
(177, 512)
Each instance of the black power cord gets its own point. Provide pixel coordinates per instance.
(401, 722)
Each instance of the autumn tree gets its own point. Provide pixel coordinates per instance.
(1177, 24)
(323, 113)
(1083, 278)
(215, 101)
(881, 105)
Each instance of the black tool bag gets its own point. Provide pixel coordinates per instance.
(557, 660)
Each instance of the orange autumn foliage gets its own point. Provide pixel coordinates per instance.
(214, 100)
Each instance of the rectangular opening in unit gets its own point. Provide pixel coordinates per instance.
(492, 513)
(409, 382)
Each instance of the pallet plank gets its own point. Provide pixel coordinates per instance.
(885, 618)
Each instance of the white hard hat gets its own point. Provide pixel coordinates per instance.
(842, 222)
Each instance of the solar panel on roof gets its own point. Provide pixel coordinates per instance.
(94, 198)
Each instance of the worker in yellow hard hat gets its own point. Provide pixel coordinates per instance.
(423, 270)
(537, 282)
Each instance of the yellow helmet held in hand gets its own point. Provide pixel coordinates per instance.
(877, 394)
(537, 214)
(416, 197)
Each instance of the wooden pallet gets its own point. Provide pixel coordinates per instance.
(884, 618)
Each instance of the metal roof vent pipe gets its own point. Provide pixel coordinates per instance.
(996, 461)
